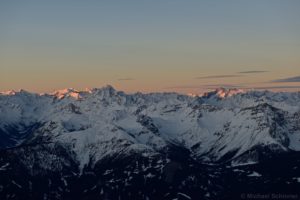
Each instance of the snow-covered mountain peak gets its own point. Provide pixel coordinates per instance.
(9, 92)
(224, 92)
(13, 92)
(106, 88)
(68, 92)
(104, 92)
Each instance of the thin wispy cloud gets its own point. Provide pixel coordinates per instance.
(294, 79)
(279, 87)
(126, 79)
(212, 86)
(183, 87)
(252, 72)
(222, 86)
(218, 76)
(229, 86)
(275, 87)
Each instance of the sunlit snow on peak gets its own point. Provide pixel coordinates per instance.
(9, 92)
(68, 92)
(223, 92)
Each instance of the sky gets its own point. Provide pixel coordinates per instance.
(186, 46)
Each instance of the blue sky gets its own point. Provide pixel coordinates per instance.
(148, 45)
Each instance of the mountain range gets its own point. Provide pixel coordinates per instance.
(105, 144)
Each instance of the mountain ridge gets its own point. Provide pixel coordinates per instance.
(81, 132)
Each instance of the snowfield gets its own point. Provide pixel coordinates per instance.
(94, 124)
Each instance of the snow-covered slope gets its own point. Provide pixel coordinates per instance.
(219, 126)
(106, 144)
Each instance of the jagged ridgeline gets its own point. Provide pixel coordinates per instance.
(106, 144)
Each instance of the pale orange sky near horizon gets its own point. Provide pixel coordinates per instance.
(181, 46)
